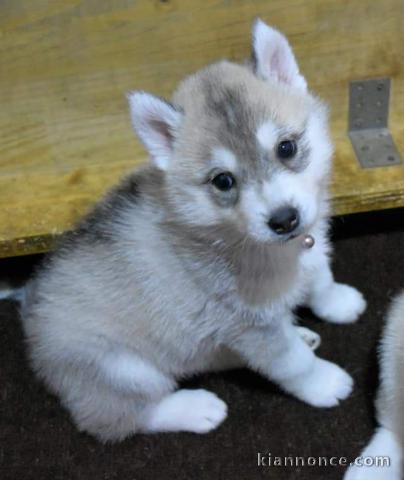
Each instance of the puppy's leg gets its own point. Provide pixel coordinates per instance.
(388, 440)
(329, 300)
(126, 372)
(371, 465)
(226, 359)
(107, 392)
(279, 353)
(197, 411)
(132, 395)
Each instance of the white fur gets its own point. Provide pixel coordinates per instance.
(197, 411)
(8, 292)
(169, 277)
(287, 188)
(312, 339)
(5, 291)
(155, 121)
(294, 366)
(267, 135)
(303, 191)
(332, 301)
(339, 303)
(383, 444)
(319, 140)
(259, 202)
(275, 59)
(323, 386)
(127, 372)
(254, 208)
(388, 440)
(224, 159)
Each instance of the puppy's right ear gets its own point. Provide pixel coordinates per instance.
(156, 122)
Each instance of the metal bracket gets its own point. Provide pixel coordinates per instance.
(368, 123)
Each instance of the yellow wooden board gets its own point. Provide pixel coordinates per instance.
(65, 66)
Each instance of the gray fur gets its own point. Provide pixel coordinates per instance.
(167, 277)
(390, 398)
(387, 444)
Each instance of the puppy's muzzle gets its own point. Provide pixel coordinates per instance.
(284, 220)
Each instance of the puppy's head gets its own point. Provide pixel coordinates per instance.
(241, 146)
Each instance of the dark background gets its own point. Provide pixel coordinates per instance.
(38, 441)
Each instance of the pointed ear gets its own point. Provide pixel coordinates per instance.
(155, 122)
(274, 57)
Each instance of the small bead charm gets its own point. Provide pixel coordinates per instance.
(308, 241)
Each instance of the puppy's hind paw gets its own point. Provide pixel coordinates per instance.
(340, 304)
(197, 411)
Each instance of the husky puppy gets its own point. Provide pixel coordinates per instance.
(388, 439)
(195, 262)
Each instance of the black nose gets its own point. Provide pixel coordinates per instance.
(284, 220)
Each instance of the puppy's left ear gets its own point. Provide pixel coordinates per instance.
(274, 57)
(156, 122)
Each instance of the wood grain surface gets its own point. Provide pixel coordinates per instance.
(66, 65)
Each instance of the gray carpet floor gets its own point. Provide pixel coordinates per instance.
(38, 440)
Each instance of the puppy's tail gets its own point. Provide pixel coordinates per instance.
(7, 292)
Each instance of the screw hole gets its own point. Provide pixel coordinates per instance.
(380, 86)
(365, 148)
(390, 158)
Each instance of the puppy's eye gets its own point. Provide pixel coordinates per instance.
(287, 149)
(224, 181)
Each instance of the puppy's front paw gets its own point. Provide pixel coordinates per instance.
(374, 472)
(340, 304)
(385, 451)
(324, 386)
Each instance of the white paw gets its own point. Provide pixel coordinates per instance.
(383, 444)
(197, 411)
(340, 304)
(312, 339)
(371, 473)
(7, 292)
(324, 386)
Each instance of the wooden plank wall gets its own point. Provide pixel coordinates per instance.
(66, 65)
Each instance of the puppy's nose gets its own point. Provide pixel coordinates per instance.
(284, 220)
